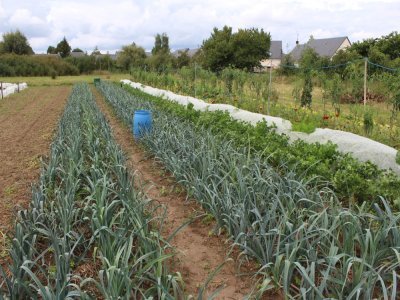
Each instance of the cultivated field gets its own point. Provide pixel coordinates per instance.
(200, 205)
(27, 124)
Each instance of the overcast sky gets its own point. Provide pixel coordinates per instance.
(111, 24)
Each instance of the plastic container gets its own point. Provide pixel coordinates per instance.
(142, 123)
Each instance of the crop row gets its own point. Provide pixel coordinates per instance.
(87, 232)
(352, 180)
(294, 225)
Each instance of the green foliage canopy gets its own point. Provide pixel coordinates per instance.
(244, 49)
(51, 50)
(15, 42)
(383, 50)
(161, 44)
(182, 59)
(63, 48)
(131, 56)
(161, 58)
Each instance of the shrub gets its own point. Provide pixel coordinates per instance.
(30, 65)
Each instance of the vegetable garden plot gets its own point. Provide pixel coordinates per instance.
(362, 148)
(84, 211)
(353, 181)
(305, 241)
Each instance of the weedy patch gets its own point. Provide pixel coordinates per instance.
(10, 190)
(163, 191)
(5, 245)
(34, 162)
(208, 219)
(47, 136)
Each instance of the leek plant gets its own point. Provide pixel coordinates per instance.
(83, 208)
(305, 241)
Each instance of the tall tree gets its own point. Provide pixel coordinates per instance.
(16, 42)
(51, 50)
(63, 48)
(157, 44)
(243, 49)
(161, 58)
(96, 51)
(216, 51)
(165, 43)
(161, 44)
(250, 46)
(131, 56)
(306, 94)
(183, 59)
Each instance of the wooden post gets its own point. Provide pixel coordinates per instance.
(269, 86)
(365, 81)
(195, 75)
(1, 88)
(18, 87)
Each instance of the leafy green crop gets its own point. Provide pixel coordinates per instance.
(305, 241)
(309, 160)
(84, 210)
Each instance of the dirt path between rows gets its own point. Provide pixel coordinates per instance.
(199, 252)
(27, 124)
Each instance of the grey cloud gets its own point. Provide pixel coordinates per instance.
(109, 25)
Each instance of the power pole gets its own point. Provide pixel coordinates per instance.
(365, 80)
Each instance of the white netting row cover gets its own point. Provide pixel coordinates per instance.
(360, 147)
(11, 88)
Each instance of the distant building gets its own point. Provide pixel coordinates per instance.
(190, 52)
(276, 56)
(77, 54)
(113, 57)
(48, 55)
(323, 47)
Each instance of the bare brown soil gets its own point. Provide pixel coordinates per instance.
(199, 251)
(27, 124)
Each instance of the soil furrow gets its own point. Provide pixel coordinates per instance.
(27, 123)
(199, 251)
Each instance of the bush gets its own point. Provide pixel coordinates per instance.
(31, 65)
(368, 122)
(306, 95)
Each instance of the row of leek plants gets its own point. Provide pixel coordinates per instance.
(306, 242)
(85, 213)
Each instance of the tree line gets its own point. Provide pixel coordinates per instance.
(243, 49)
(224, 48)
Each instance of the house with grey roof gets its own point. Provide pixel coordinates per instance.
(323, 47)
(276, 55)
(47, 55)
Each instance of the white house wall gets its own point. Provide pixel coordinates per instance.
(267, 63)
(346, 43)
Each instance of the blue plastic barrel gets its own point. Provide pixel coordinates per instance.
(141, 123)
